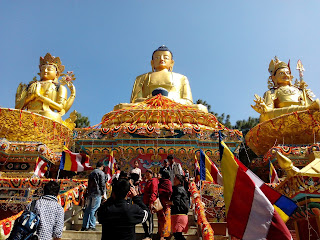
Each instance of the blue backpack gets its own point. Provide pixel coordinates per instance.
(26, 225)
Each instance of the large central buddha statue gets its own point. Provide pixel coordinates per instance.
(162, 80)
(283, 96)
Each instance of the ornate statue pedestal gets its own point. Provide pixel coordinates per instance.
(24, 136)
(294, 128)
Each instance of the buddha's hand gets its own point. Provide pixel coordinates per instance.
(260, 105)
(37, 90)
(34, 90)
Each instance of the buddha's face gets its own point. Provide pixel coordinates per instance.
(162, 60)
(283, 77)
(48, 72)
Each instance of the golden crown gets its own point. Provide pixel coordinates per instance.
(275, 65)
(51, 60)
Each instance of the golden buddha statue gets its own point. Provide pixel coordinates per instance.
(162, 79)
(283, 97)
(47, 96)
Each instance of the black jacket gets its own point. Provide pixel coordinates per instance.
(180, 200)
(118, 218)
(97, 183)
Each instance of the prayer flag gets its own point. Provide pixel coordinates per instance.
(110, 169)
(75, 162)
(283, 205)
(41, 167)
(273, 176)
(250, 215)
(208, 170)
(196, 169)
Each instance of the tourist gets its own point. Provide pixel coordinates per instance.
(149, 196)
(175, 168)
(164, 215)
(50, 212)
(95, 191)
(134, 178)
(136, 169)
(116, 172)
(179, 208)
(186, 174)
(166, 166)
(142, 185)
(118, 217)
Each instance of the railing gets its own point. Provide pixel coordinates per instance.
(206, 229)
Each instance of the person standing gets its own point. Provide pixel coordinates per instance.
(166, 166)
(179, 208)
(50, 212)
(117, 216)
(175, 168)
(95, 191)
(136, 169)
(164, 215)
(149, 196)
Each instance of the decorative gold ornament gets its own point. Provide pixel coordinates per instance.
(48, 59)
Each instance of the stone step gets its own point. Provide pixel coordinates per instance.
(72, 234)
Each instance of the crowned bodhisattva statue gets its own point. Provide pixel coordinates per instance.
(47, 96)
(173, 85)
(284, 97)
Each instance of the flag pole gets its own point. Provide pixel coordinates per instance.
(58, 174)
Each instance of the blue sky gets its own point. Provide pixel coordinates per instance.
(223, 47)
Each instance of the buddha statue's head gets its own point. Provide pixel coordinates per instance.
(162, 59)
(50, 68)
(280, 73)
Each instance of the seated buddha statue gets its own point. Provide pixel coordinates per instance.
(47, 96)
(283, 97)
(162, 77)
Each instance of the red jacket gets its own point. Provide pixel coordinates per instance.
(165, 191)
(150, 191)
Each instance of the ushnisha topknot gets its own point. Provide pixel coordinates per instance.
(162, 48)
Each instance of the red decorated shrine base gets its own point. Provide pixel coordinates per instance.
(306, 231)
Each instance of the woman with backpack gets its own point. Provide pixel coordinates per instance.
(179, 208)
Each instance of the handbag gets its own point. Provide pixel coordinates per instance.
(157, 206)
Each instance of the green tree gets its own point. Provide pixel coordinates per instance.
(246, 125)
(224, 119)
(245, 154)
(82, 121)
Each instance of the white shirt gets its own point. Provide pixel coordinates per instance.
(175, 169)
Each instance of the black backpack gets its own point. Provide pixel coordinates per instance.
(26, 225)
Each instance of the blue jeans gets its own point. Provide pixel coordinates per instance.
(92, 205)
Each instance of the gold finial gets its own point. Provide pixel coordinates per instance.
(275, 65)
(49, 59)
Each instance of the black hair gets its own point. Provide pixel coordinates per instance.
(135, 178)
(121, 188)
(99, 164)
(180, 178)
(149, 171)
(170, 157)
(123, 174)
(162, 48)
(165, 174)
(51, 188)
